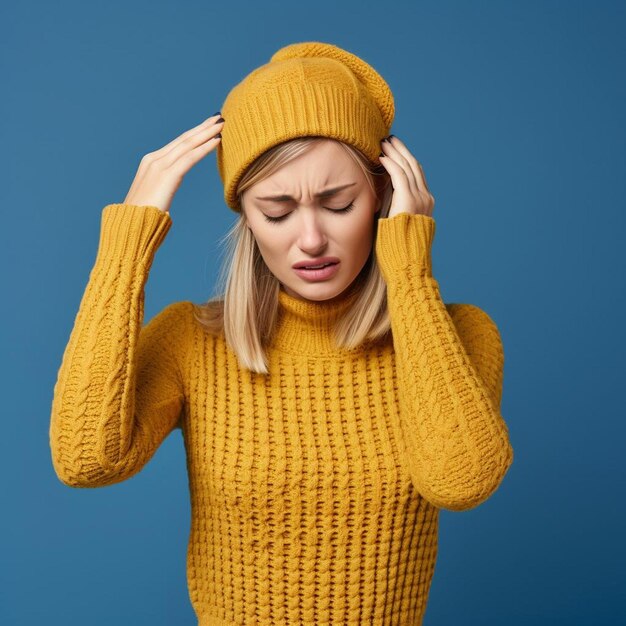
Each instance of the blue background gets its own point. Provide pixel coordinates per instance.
(516, 112)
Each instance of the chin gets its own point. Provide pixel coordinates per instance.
(321, 291)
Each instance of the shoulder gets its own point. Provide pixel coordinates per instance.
(183, 324)
(186, 316)
(471, 314)
(164, 337)
(172, 316)
(475, 326)
(205, 320)
(170, 325)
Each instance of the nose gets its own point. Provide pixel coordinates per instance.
(312, 237)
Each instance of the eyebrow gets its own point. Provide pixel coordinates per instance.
(322, 194)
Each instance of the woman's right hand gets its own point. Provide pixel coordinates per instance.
(161, 172)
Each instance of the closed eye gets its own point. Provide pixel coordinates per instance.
(273, 220)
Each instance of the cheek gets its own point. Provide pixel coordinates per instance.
(359, 235)
(270, 243)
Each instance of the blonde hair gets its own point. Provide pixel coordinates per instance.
(246, 310)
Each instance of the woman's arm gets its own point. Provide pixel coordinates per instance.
(449, 362)
(119, 391)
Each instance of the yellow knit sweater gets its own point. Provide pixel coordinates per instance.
(315, 490)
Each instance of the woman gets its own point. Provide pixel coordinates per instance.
(327, 414)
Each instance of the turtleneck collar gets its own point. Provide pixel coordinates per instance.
(305, 327)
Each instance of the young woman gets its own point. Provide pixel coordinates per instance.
(327, 414)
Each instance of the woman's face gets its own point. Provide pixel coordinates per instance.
(311, 225)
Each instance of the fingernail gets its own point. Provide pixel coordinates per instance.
(218, 135)
(216, 113)
(390, 136)
(220, 120)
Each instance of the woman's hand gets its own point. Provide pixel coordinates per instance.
(410, 192)
(161, 172)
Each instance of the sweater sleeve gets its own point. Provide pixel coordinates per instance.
(449, 360)
(118, 392)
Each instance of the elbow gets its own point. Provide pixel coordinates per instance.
(87, 466)
(73, 480)
(71, 468)
(87, 480)
(468, 492)
(85, 474)
(79, 477)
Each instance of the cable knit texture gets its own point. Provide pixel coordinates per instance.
(315, 490)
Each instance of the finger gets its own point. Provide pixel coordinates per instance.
(203, 136)
(422, 176)
(394, 153)
(399, 179)
(210, 121)
(416, 167)
(189, 159)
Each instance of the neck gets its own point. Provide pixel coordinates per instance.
(305, 327)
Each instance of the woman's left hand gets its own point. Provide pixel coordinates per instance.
(410, 192)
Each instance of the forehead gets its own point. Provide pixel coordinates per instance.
(325, 165)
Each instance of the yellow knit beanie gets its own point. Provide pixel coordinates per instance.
(306, 89)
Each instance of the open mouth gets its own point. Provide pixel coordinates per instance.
(327, 270)
(316, 267)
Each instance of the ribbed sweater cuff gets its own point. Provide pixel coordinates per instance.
(132, 232)
(405, 240)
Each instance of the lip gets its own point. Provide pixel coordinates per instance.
(322, 259)
(316, 275)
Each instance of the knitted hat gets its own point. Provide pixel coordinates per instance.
(306, 89)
